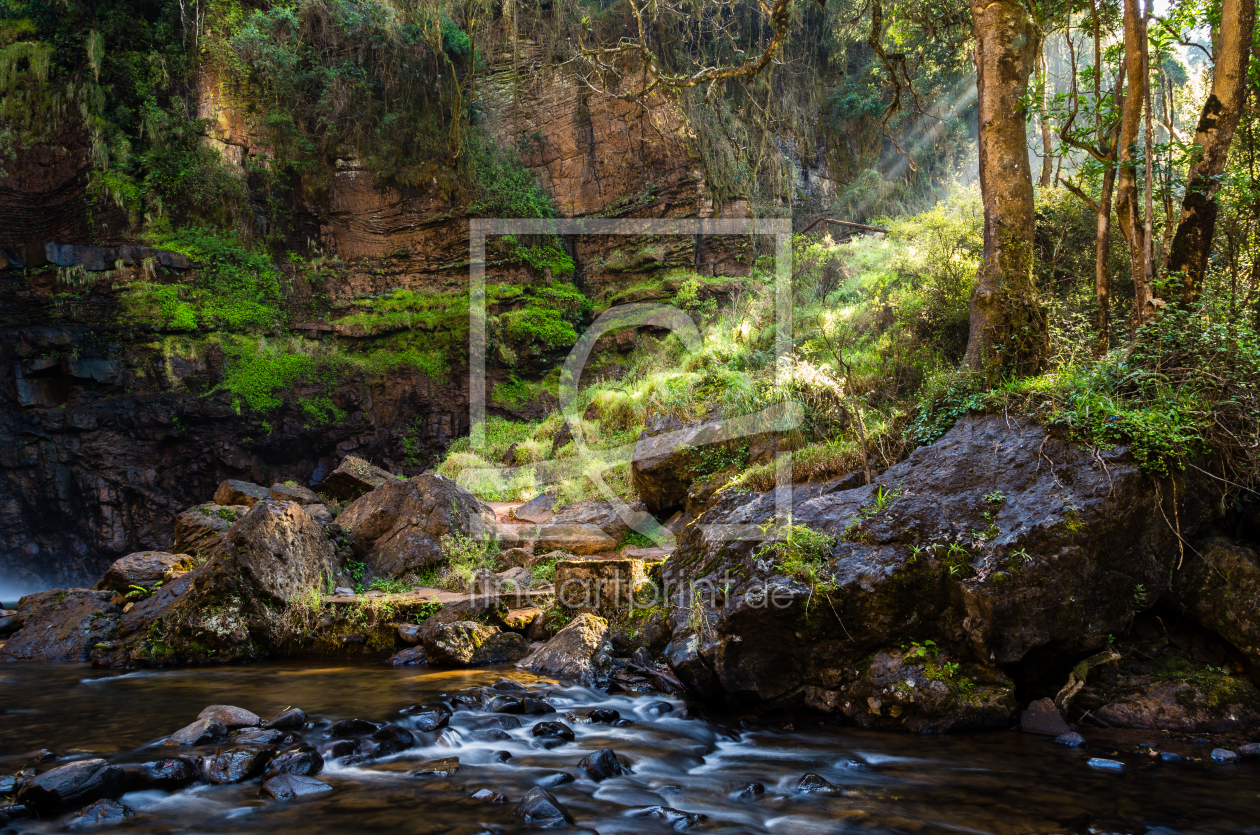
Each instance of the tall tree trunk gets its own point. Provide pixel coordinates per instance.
(1008, 324)
(1192, 242)
(1043, 118)
(1102, 250)
(1128, 203)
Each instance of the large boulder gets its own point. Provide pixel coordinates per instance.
(144, 569)
(234, 492)
(72, 786)
(294, 493)
(993, 542)
(61, 625)
(199, 529)
(670, 454)
(603, 515)
(469, 643)
(599, 584)
(580, 652)
(398, 527)
(352, 478)
(225, 610)
(1218, 585)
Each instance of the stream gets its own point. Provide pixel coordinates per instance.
(1000, 782)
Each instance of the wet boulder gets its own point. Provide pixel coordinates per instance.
(198, 733)
(352, 478)
(817, 784)
(410, 657)
(427, 718)
(398, 527)
(231, 717)
(556, 729)
(540, 808)
(144, 569)
(101, 813)
(1042, 717)
(995, 541)
(289, 719)
(170, 774)
(469, 643)
(293, 787)
(924, 691)
(579, 651)
(236, 765)
(301, 759)
(61, 625)
(1218, 584)
(603, 765)
(261, 736)
(72, 786)
(234, 492)
(199, 529)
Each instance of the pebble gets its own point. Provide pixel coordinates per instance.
(1071, 739)
(1100, 762)
(1170, 757)
(1224, 755)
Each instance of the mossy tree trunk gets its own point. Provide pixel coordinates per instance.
(1188, 255)
(1128, 203)
(1008, 322)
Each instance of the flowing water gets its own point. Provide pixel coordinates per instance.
(1002, 782)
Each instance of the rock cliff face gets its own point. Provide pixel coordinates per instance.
(995, 542)
(110, 426)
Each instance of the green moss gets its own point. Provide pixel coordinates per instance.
(540, 327)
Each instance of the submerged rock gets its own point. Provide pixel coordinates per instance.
(579, 651)
(426, 718)
(817, 784)
(293, 786)
(437, 768)
(73, 785)
(101, 813)
(675, 818)
(539, 807)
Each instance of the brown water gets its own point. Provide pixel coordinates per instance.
(989, 783)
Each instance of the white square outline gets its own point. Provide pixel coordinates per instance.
(781, 228)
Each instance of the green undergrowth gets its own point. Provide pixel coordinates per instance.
(235, 288)
(1191, 385)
